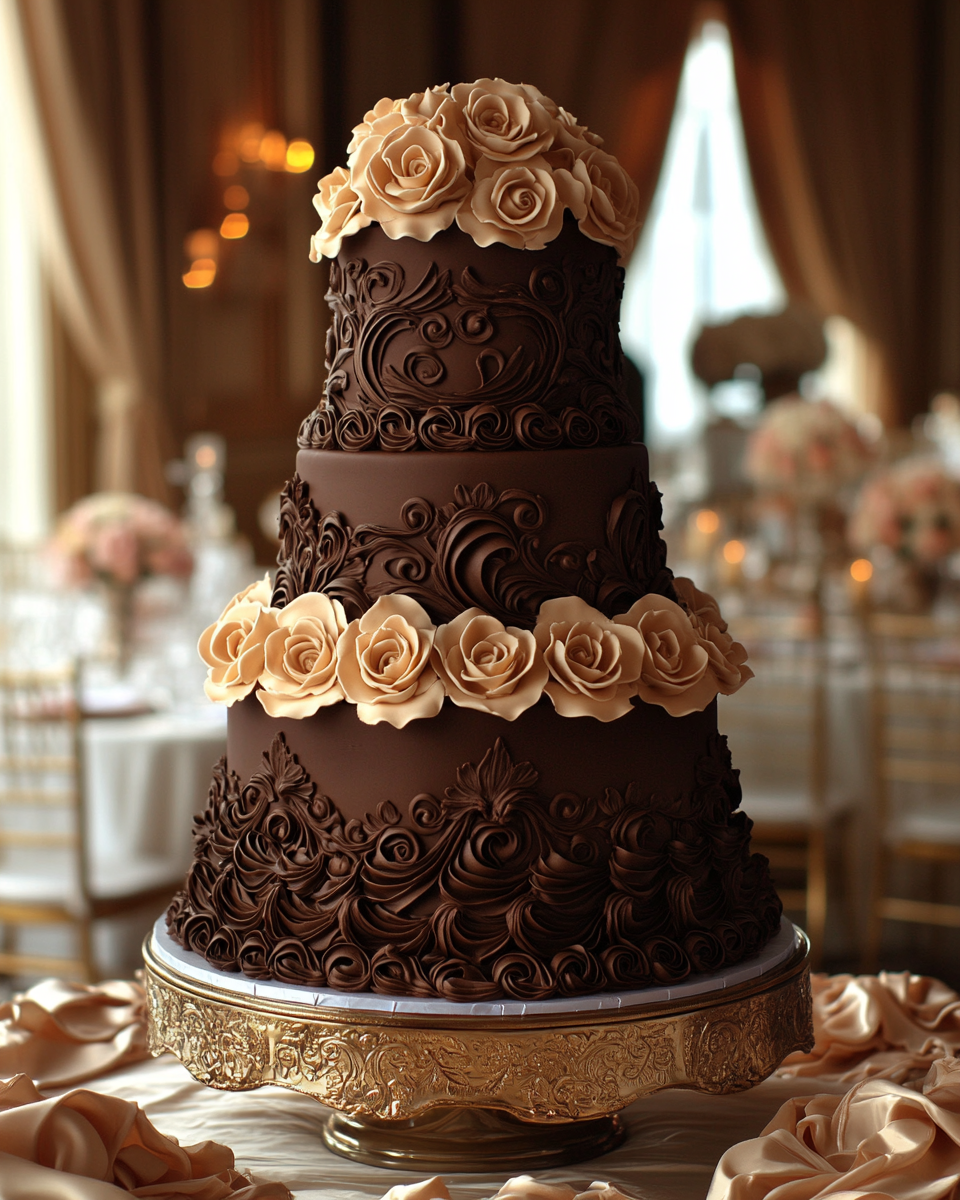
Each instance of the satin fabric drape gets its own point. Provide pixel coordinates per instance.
(829, 95)
(61, 1033)
(86, 1146)
(891, 1025)
(521, 1187)
(880, 1139)
(99, 233)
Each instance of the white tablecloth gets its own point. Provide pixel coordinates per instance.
(146, 777)
(674, 1141)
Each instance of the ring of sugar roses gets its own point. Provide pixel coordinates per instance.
(396, 666)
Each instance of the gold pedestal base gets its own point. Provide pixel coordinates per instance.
(469, 1139)
(448, 1092)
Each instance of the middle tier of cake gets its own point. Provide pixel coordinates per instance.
(503, 530)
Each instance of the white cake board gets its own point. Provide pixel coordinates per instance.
(194, 967)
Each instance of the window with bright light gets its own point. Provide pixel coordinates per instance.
(703, 256)
(24, 439)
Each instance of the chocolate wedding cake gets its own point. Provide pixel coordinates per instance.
(473, 747)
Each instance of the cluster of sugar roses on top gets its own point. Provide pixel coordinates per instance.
(501, 159)
(395, 665)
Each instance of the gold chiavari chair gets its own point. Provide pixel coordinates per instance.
(777, 730)
(49, 873)
(915, 712)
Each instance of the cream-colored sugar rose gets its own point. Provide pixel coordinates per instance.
(300, 658)
(489, 666)
(384, 116)
(383, 663)
(504, 121)
(411, 180)
(675, 671)
(594, 664)
(339, 208)
(727, 657)
(702, 607)
(233, 646)
(519, 205)
(613, 204)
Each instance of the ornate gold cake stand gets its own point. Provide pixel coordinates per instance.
(446, 1089)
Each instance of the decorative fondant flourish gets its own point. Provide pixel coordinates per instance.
(548, 367)
(483, 549)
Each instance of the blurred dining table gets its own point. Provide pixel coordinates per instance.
(146, 777)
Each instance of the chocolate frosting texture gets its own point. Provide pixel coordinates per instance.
(446, 345)
(493, 889)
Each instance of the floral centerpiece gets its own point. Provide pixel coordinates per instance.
(117, 539)
(907, 520)
(805, 450)
(501, 160)
(913, 508)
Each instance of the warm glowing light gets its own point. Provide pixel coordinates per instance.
(205, 457)
(273, 150)
(201, 243)
(234, 225)
(236, 197)
(202, 273)
(734, 552)
(226, 163)
(300, 156)
(249, 142)
(707, 521)
(861, 570)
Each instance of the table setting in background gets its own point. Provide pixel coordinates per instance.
(117, 598)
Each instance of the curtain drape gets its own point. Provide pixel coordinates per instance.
(615, 66)
(95, 195)
(830, 96)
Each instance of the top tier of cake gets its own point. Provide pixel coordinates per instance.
(447, 345)
(444, 337)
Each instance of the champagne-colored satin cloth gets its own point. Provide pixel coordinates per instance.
(886, 1026)
(880, 1139)
(86, 1146)
(62, 1033)
(523, 1187)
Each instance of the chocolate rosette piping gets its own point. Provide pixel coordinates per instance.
(356, 430)
(625, 967)
(523, 977)
(396, 429)
(577, 972)
(668, 961)
(488, 427)
(346, 968)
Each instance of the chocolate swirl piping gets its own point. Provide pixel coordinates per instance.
(494, 890)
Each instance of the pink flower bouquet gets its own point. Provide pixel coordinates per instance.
(805, 449)
(913, 508)
(118, 538)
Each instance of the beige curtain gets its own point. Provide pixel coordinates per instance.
(829, 94)
(97, 214)
(616, 66)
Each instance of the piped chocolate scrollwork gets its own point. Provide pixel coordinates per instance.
(427, 356)
(482, 549)
(493, 890)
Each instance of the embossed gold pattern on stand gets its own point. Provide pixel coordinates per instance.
(556, 1067)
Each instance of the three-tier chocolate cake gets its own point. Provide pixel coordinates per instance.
(473, 747)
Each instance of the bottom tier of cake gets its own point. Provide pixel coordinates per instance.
(469, 858)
